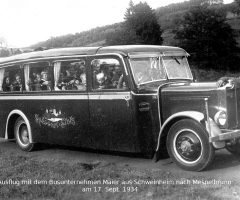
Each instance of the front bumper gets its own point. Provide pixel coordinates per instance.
(225, 135)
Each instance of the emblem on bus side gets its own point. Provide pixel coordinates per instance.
(54, 118)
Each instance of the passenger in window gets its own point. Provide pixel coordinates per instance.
(6, 84)
(96, 69)
(111, 70)
(70, 80)
(61, 85)
(82, 74)
(37, 82)
(17, 84)
(116, 76)
(153, 74)
(101, 81)
(104, 68)
(47, 69)
(31, 82)
(33, 75)
(38, 78)
(44, 82)
(81, 85)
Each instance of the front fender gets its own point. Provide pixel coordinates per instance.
(188, 114)
(198, 117)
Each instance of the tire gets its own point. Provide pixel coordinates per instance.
(234, 149)
(188, 145)
(22, 135)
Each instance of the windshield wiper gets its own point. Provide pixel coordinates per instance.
(175, 60)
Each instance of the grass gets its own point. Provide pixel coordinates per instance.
(27, 178)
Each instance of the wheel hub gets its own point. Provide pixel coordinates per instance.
(188, 146)
(24, 135)
(185, 146)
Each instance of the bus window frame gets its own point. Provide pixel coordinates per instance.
(64, 59)
(122, 64)
(51, 73)
(21, 75)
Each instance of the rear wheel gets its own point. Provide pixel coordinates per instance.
(188, 145)
(22, 135)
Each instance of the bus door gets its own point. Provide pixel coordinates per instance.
(110, 106)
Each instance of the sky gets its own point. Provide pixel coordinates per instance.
(26, 22)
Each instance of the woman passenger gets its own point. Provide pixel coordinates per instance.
(6, 84)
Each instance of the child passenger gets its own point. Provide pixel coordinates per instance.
(44, 83)
(101, 81)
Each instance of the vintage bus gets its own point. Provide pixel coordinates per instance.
(138, 99)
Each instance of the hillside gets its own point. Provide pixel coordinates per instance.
(232, 21)
(176, 11)
(165, 15)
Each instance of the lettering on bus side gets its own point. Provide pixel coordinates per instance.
(54, 119)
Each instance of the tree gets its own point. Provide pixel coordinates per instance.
(3, 42)
(142, 21)
(140, 27)
(4, 52)
(237, 8)
(237, 2)
(208, 38)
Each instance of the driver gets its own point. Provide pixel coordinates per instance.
(153, 74)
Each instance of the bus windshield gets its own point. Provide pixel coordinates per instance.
(147, 69)
(177, 67)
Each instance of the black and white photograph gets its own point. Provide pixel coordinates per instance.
(119, 99)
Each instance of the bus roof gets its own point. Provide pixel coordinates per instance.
(72, 51)
(126, 49)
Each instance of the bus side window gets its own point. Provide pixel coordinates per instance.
(11, 79)
(37, 76)
(70, 75)
(107, 74)
(3, 80)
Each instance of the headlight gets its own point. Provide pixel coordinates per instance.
(220, 118)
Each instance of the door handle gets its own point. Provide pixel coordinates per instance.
(127, 99)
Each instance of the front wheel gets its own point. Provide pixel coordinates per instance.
(188, 145)
(22, 135)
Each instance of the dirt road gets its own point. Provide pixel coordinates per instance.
(224, 166)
